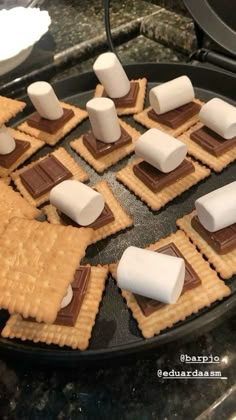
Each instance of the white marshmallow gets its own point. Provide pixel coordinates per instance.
(171, 95)
(161, 150)
(67, 298)
(151, 274)
(103, 119)
(220, 117)
(217, 209)
(7, 142)
(45, 100)
(78, 201)
(111, 75)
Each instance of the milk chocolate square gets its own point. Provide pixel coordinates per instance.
(98, 148)
(176, 117)
(7, 160)
(212, 142)
(129, 99)
(50, 126)
(105, 217)
(156, 180)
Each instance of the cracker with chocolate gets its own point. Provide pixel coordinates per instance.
(26, 145)
(144, 119)
(52, 139)
(210, 290)
(197, 148)
(123, 105)
(104, 162)
(112, 220)
(38, 261)
(64, 160)
(9, 108)
(156, 200)
(223, 263)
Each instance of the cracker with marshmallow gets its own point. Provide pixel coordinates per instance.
(213, 139)
(173, 107)
(53, 119)
(109, 140)
(212, 227)
(161, 171)
(128, 95)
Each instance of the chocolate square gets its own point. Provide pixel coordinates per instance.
(147, 305)
(68, 315)
(129, 99)
(222, 241)
(7, 160)
(50, 126)
(98, 148)
(176, 117)
(156, 180)
(212, 142)
(105, 217)
(44, 175)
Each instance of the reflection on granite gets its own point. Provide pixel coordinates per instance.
(176, 5)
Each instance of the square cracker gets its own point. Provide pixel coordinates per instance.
(35, 145)
(121, 222)
(138, 107)
(9, 108)
(214, 162)
(38, 261)
(224, 264)
(78, 173)
(211, 289)
(13, 205)
(77, 336)
(52, 139)
(104, 162)
(157, 200)
(147, 122)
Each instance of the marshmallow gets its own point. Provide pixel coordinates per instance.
(171, 95)
(78, 201)
(111, 75)
(161, 150)
(7, 142)
(220, 117)
(217, 209)
(67, 298)
(103, 119)
(45, 100)
(151, 274)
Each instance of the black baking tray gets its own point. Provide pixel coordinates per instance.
(115, 332)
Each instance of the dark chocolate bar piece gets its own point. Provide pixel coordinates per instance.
(44, 175)
(176, 117)
(212, 142)
(148, 306)
(156, 180)
(50, 126)
(98, 148)
(127, 100)
(7, 160)
(105, 217)
(222, 241)
(68, 315)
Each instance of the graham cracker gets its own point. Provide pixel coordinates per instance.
(77, 336)
(210, 290)
(35, 145)
(51, 139)
(224, 264)
(6, 180)
(147, 122)
(217, 163)
(104, 162)
(38, 261)
(157, 200)
(121, 222)
(13, 205)
(138, 107)
(78, 173)
(9, 108)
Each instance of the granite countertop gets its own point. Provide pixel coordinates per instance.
(127, 388)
